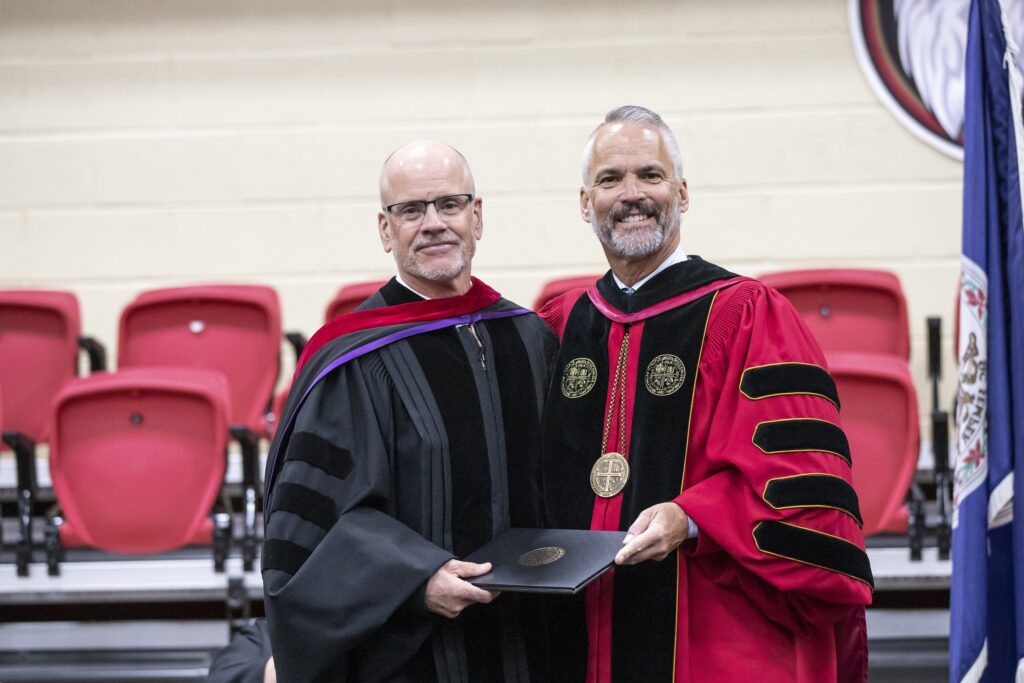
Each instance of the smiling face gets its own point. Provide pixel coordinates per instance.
(632, 196)
(434, 251)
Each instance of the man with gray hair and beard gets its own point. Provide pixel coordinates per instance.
(691, 408)
(410, 438)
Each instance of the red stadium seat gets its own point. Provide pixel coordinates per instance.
(137, 459)
(859, 317)
(559, 286)
(235, 329)
(849, 309)
(1, 431)
(38, 353)
(879, 415)
(39, 343)
(350, 296)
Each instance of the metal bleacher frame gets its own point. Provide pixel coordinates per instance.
(110, 617)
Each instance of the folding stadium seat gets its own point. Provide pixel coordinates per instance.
(235, 329)
(559, 286)
(232, 328)
(879, 415)
(349, 297)
(849, 309)
(1, 432)
(859, 317)
(137, 459)
(39, 344)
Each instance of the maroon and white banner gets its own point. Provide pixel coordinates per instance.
(912, 53)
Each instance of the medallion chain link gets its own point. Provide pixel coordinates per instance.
(618, 396)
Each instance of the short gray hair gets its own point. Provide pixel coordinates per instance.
(632, 113)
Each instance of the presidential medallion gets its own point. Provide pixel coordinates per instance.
(609, 475)
(579, 377)
(665, 374)
(539, 556)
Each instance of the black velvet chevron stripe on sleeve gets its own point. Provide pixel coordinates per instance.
(305, 502)
(813, 490)
(283, 556)
(785, 379)
(814, 548)
(802, 434)
(319, 452)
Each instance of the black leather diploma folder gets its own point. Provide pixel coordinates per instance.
(546, 560)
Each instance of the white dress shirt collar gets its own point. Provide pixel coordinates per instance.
(677, 256)
(404, 284)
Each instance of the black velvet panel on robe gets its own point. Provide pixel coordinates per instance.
(573, 428)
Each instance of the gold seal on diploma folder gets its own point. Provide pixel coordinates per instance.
(539, 556)
(609, 475)
(546, 560)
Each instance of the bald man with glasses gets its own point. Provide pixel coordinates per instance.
(410, 439)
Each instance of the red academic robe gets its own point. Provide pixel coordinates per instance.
(729, 412)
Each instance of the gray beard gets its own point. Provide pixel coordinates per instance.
(636, 243)
(411, 264)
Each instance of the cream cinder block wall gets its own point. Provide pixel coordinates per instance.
(147, 144)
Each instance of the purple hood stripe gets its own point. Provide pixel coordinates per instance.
(362, 351)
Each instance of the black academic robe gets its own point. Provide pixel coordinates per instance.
(397, 461)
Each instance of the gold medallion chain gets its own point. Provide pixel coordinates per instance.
(618, 381)
(610, 472)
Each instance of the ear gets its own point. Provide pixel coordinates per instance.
(478, 217)
(584, 204)
(684, 196)
(384, 231)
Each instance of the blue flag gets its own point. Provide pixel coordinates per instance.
(987, 593)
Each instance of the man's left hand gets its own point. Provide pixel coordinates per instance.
(657, 531)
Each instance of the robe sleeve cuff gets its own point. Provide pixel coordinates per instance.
(417, 603)
(695, 542)
(691, 525)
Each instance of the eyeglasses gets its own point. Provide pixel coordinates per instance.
(414, 211)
